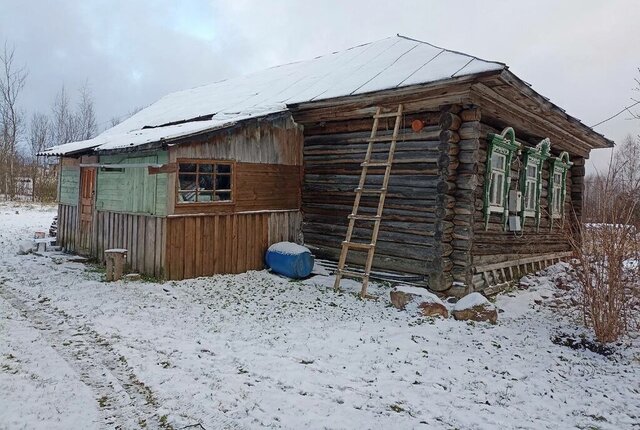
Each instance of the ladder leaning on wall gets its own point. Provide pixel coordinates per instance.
(370, 247)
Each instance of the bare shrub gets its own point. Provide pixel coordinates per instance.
(607, 254)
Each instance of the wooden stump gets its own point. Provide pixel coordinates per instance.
(115, 259)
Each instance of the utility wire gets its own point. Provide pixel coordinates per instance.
(619, 113)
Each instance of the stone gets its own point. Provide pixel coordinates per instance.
(25, 247)
(400, 299)
(433, 309)
(132, 277)
(428, 303)
(475, 307)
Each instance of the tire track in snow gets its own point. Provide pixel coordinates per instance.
(125, 401)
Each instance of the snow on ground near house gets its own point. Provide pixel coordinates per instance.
(255, 350)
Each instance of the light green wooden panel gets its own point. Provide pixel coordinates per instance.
(69, 185)
(132, 190)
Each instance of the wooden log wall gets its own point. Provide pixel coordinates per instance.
(67, 227)
(495, 244)
(410, 232)
(142, 236)
(206, 245)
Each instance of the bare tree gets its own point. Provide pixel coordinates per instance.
(118, 119)
(87, 127)
(63, 122)
(71, 125)
(40, 133)
(12, 81)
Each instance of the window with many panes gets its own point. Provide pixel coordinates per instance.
(500, 151)
(204, 181)
(557, 184)
(531, 189)
(556, 195)
(496, 191)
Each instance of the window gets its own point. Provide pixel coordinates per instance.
(531, 180)
(204, 181)
(110, 169)
(557, 186)
(500, 152)
(556, 193)
(496, 195)
(531, 189)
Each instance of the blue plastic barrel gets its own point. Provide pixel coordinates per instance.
(290, 260)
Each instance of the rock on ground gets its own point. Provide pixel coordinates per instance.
(475, 307)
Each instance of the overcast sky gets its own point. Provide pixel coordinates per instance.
(583, 55)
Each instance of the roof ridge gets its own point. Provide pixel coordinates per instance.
(452, 51)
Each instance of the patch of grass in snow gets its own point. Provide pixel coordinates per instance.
(396, 408)
(103, 401)
(164, 423)
(8, 369)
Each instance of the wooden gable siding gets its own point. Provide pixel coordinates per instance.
(133, 190)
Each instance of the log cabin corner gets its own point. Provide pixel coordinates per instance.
(485, 175)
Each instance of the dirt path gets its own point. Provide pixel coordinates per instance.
(124, 401)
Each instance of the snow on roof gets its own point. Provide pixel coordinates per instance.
(386, 64)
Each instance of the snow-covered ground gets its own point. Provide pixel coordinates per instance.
(255, 350)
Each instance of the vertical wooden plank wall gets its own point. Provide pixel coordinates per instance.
(225, 243)
(143, 237)
(67, 227)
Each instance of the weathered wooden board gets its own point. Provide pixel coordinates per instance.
(225, 243)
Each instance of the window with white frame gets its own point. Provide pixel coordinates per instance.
(531, 180)
(500, 152)
(531, 188)
(556, 195)
(496, 192)
(557, 185)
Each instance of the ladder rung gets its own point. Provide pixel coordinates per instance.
(354, 274)
(375, 164)
(382, 139)
(387, 115)
(365, 217)
(370, 191)
(357, 245)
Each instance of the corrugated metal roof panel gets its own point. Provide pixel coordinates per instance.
(389, 63)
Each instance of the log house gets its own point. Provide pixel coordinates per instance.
(486, 171)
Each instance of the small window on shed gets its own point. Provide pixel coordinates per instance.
(204, 181)
(501, 150)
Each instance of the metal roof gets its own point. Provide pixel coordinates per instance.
(390, 63)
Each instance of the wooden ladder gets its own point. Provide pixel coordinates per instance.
(370, 248)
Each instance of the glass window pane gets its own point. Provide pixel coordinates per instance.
(205, 196)
(223, 196)
(223, 182)
(205, 182)
(187, 196)
(205, 168)
(497, 161)
(531, 171)
(223, 168)
(187, 168)
(187, 182)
